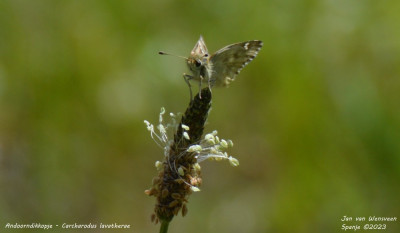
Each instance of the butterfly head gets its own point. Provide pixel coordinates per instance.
(196, 63)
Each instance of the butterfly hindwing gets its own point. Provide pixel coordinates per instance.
(227, 62)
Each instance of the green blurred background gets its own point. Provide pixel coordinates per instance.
(315, 118)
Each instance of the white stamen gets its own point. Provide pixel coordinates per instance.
(186, 135)
(194, 148)
(234, 162)
(158, 165)
(180, 171)
(224, 143)
(185, 127)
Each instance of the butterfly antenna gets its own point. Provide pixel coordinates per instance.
(164, 53)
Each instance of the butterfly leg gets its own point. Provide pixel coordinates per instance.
(209, 84)
(201, 81)
(187, 78)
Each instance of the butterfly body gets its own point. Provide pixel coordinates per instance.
(223, 66)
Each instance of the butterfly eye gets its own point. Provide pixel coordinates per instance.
(206, 55)
(197, 63)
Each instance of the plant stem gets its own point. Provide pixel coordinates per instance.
(164, 226)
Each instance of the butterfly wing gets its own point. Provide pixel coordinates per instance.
(229, 61)
(200, 49)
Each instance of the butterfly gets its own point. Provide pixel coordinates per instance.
(222, 67)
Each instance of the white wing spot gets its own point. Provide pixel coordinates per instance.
(246, 46)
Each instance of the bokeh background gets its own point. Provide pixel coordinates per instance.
(315, 118)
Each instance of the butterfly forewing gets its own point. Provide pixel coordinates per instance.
(200, 49)
(227, 62)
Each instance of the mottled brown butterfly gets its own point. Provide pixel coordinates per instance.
(222, 67)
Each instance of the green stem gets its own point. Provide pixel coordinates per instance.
(164, 226)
